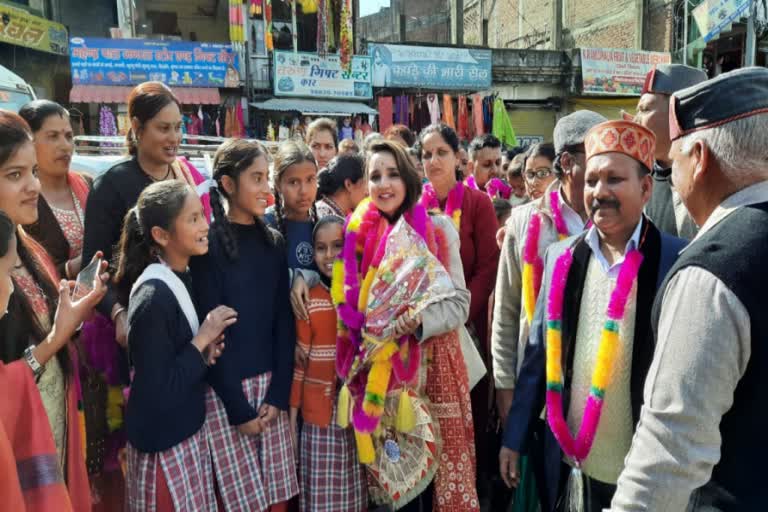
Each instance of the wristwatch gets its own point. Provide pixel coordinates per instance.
(35, 366)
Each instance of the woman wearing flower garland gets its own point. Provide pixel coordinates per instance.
(474, 218)
(591, 344)
(395, 187)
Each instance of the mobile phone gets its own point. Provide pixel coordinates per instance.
(86, 280)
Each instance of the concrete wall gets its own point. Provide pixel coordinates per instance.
(530, 24)
(87, 18)
(427, 21)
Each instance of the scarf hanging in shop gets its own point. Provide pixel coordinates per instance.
(448, 111)
(434, 108)
(385, 113)
(463, 121)
(477, 114)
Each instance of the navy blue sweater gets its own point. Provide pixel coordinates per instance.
(264, 337)
(167, 401)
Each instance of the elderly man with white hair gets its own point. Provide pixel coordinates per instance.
(700, 442)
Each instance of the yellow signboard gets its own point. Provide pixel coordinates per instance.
(19, 27)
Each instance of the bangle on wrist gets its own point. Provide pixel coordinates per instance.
(34, 364)
(117, 312)
(66, 269)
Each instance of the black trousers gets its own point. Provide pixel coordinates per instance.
(597, 495)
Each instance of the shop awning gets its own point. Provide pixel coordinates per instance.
(119, 94)
(323, 107)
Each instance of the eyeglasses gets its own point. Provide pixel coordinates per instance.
(540, 174)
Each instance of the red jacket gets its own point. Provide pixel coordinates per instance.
(479, 256)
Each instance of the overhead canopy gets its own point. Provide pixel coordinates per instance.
(119, 94)
(323, 107)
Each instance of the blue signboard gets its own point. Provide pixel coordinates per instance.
(133, 61)
(712, 16)
(430, 67)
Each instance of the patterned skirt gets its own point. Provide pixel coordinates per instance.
(332, 479)
(187, 471)
(252, 472)
(448, 390)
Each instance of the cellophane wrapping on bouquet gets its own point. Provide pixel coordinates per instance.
(409, 279)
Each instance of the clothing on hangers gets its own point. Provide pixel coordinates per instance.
(448, 111)
(477, 114)
(434, 108)
(502, 125)
(463, 121)
(385, 113)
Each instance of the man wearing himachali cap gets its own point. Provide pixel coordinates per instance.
(702, 432)
(590, 343)
(665, 208)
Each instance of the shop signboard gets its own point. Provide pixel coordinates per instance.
(713, 16)
(133, 61)
(617, 72)
(23, 29)
(430, 67)
(309, 75)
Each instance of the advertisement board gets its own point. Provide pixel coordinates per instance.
(133, 61)
(309, 75)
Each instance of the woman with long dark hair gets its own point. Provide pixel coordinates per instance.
(64, 193)
(153, 143)
(429, 340)
(42, 318)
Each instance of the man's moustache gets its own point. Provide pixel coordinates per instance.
(598, 205)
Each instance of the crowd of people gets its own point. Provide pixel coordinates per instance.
(421, 323)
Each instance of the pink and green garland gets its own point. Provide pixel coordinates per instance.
(577, 449)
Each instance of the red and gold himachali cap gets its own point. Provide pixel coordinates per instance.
(625, 137)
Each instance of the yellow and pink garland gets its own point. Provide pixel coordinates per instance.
(367, 381)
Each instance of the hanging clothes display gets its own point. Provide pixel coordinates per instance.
(448, 111)
(107, 126)
(434, 108)
(421, 118)
(488, 114)
(477, 114)
(345, 36)
(502, 125)
(401, 110)
(463, 121)
(385, 113)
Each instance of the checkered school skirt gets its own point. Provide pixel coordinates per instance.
(188, 474)
(252, 472)
(332, 479)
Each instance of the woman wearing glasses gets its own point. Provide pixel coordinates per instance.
(538, 172)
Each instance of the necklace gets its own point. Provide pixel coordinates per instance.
(578, 448)
(452, 204)
(168, 173)
(471, 182)
(533, 265)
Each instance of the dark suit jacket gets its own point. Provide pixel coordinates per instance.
(660, 252)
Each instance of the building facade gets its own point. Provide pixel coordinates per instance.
(424, 21)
